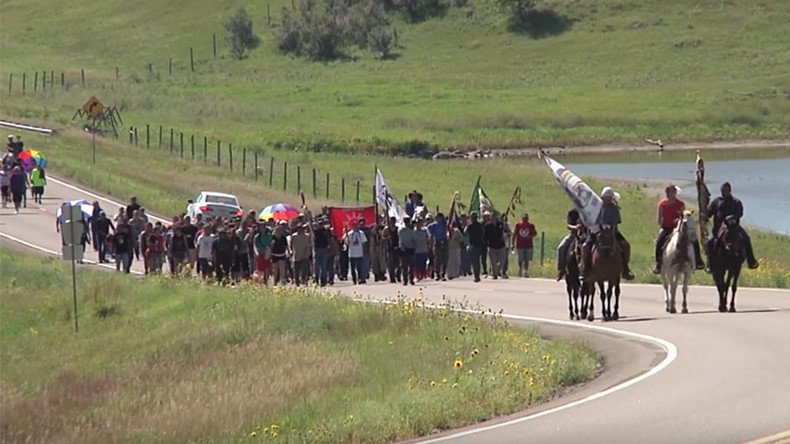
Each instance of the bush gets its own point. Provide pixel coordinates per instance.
(241, 37)
(324, 31)
(418, 10)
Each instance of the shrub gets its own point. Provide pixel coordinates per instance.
(241, 37)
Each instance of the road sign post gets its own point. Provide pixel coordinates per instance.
(71, 229)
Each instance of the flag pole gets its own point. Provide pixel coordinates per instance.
(375, 196)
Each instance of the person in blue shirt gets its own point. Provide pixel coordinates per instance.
(438, 232)
(413, 202)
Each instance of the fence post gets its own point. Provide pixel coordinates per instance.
(44, 80)
(285, 176)
(63, 79)
(269, 14)
(147, 136)
(160, 136)
(135, 136)
(244, 161)
(181, 144)
(131, 135)
(82, 75)
(192, 145)
(24, 75)
(256, 166)
(10, 82)
(343, 190)
(358, 192)
(315, 195)
(542, 245)
(214, 43)
(35, 81)
(150, 69)
(205, 149)
(219, 156)
(230, 156)
(117, 73)
(191, 59)
(298, 178)
(327, 185)
(271, 172)
(170, 66)
(171, 140)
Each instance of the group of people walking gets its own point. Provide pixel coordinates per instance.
(15, 181)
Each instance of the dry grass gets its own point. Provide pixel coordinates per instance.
(175, 397)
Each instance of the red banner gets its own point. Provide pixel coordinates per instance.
(342, 218)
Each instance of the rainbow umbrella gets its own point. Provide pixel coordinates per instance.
(280, 211)
(30, 157)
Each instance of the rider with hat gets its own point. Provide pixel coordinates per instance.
(610, 216)
(729, 207)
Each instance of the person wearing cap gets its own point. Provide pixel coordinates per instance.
(279, 254)
(355, 241)
(729, 207)
(521, 242)
(475, 231)
(155, 250)
(5, 185)
(670, 210)
(123, 243)
(610, 216)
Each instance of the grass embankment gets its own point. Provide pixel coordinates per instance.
(162, 360)
(163, 184)
(623, 71)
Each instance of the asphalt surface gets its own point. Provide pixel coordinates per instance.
(702, 377)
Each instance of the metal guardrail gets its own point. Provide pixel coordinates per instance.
(21, 126)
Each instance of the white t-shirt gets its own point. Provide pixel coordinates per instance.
(356, 240)
(204, 244)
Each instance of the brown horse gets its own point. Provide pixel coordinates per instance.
(726, 261)
(573, 281)
(606, 266)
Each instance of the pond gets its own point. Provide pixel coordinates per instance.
(759, 178)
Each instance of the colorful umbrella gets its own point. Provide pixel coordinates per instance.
(280, 211)
(30, 157)
(85, 206)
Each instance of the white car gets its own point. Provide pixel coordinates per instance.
(211, 204)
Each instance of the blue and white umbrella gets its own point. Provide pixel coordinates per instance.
(85, 206)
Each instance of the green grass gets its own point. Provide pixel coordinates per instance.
(163, 360)
(164, 183)
(622, 72)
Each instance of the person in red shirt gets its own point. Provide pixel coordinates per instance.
(522, 243)
(670, 209)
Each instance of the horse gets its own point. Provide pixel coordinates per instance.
(606, 266)
(726, 261)
(677, 259)
(573, 281)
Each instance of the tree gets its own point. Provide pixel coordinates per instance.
(241, 37)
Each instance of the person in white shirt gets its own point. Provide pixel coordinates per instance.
(204, 244)
(355, 240)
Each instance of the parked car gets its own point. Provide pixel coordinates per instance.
(211, 204)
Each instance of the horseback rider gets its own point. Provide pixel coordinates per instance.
(576, 228)
(610, 216)
(721, 208)
(670, 209)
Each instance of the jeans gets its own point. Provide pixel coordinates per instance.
(321, 265)
(497, 257)
(124, 259)
(393, 260)
(475, 256)
(466, 264)
(342, 266)
(205, 267)
(98, 245)
(407, 266)
(440, 257)
(358, 269)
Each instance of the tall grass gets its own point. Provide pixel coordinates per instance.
(180, 361)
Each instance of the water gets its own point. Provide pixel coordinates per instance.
(762, 184)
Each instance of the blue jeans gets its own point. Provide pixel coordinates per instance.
(357, 269)
(562, 252)
(475, 257)
(321, 265)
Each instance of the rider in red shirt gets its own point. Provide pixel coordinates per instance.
(670, 209)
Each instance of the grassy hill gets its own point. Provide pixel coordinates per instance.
(623, 71)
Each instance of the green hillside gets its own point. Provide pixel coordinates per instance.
(623, 71)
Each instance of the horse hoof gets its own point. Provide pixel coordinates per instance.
(591, 318)
(667, 309)
(616, 316)
(572, 317)
(722, 309)
(685, 310)
(672, 310)
(578, 318)
(732, 309)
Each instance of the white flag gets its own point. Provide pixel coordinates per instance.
(584, 198)
(385, 197)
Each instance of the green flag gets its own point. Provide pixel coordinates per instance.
(480, 202)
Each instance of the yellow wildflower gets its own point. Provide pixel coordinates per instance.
(458, 363)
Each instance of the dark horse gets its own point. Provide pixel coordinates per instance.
(606, 266)
(726, 261)
(573, 281)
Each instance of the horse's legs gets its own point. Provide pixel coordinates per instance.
(673, 289)
(590, 290)
(604, 312)
(736, 275)
(665, 284)
(718, 279)
(569, 290)
(686, 278)
(616, 314)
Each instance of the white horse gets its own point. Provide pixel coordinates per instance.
(678, 259)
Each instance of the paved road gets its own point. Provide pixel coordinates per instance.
(728, 382)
